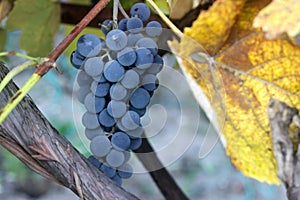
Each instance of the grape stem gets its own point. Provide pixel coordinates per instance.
(166, 19)
(122, 10)
(15, 71)
(45, 66)
(115, 14)
(13, 53)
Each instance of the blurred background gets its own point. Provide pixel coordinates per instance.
(212, 177)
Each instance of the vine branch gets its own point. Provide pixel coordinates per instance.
(29, 136)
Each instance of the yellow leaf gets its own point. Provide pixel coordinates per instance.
(279, 17)
(239, 74)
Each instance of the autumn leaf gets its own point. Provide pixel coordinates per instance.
(279, 17)
(239, 71)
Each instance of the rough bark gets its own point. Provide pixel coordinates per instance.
(284, 138)
(30, 137)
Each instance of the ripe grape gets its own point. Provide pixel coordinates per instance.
(120, 141)
(100, 141)
(117, 92)
(88, 45)
(105, 119)
(149, 44)
(140, 98)
(133, 38)
(144, 58)
(131, 79)
(125, 171)
(76, 59)
(116, 40)
(108, 171)
(153, 29)
(134, 25)
(93, 66)
(113, 71)
(106, 26)
(90, 121)
(122, 25)
(127, 56)
(91, 133)
(115, 158)
(140, 10)
(116, 109)
(131, 120)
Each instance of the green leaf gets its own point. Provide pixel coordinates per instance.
(2, 38)
(38, 21)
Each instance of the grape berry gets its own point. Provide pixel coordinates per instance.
(117, 78)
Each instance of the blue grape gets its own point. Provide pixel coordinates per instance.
(115, 158)
(144, 58)
(93, 66)
(116, 109)
(140, 98)
(102, 89)
(135, 143)
(157, 65)
(134, 25)
(116, 40)
(133, 38)
(127, 56)
(83, 79)
(113, 71)
(131, 79)
(149, 44)
(100, 141)
(140, 10)
(108, 171)
(105, 119)
(89, 120)
(117, 179)
(89, 45)
(94, 104)
(117, 92)
(120, 141)
(141, 112)
(150, 82)
(136, 132)
(91, 133)
(82, 92)
(106, 26)
(76, 59)
(153, 29)
(94, 161)
(122, 25)
(125, 171)
(131, 120)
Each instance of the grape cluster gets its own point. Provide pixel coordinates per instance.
(117, 79)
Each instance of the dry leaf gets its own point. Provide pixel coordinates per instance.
(279, 17)
(178, 8)
(239, 73)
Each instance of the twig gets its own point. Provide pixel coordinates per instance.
(15, 71)
(166, 19)
(123, 11)
(25, 127)
(115, 14)
(161, 177)
(281, 117)
(44, 67)
(14, 53)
